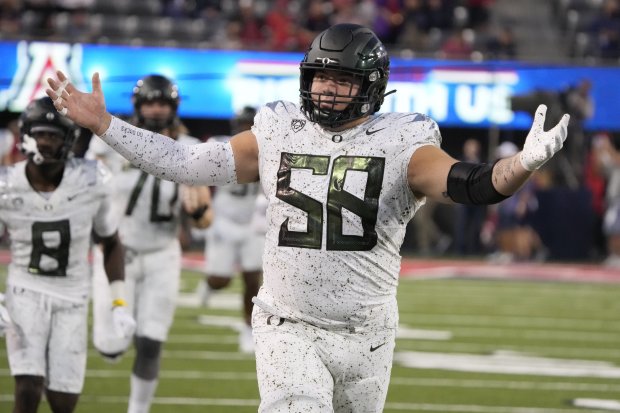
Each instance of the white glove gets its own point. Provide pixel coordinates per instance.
(124, 324)
(5, 320)
(539, 145)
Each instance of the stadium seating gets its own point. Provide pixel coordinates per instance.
(581, 30)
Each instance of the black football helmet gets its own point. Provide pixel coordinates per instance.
(243, 120)
(41, 116)
(151, 88)
(356, 51)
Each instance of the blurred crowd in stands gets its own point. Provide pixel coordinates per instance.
(591, 26)
(452, 29)
(447, 27)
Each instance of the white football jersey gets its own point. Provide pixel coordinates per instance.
(339, 204)
(51, 233)
(149, 208)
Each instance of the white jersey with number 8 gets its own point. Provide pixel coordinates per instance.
(51, 233)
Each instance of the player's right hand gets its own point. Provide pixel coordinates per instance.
(85, 109)
(5, 319)
(124, 323)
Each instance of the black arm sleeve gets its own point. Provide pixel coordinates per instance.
(471, 183)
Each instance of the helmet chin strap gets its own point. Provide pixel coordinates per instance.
(29, 147)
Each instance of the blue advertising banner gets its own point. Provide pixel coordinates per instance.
(215, 84)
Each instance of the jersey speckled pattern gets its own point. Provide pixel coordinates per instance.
(339, 204)
(50, 236)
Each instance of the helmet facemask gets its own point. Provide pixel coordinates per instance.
(359, 104)
(352, 50)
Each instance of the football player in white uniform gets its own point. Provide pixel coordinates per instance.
(151, 211)
(50, 204)
(231, 244)
(342, 183)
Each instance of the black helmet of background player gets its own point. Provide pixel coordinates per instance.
(243, 120)
(156, 88)
(354, 50)
(41, 116)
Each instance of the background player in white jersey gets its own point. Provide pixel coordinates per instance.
(151, 212)
(50, 204)
(231, 243)
(342, 183)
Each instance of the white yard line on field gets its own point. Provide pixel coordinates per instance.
(550, 351)
(609, 405)
(410, 407)
(506, 362)
(463, 320)
(533, 385)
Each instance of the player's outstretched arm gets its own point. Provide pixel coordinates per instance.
(210, 163)
(435, 174)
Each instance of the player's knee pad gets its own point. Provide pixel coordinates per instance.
(146, 364)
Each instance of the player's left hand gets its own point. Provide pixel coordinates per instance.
(540, 146)
(124, 323)
(5, 319)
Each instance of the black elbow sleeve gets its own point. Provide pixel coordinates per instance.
(471, 183)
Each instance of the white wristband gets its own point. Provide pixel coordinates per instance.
(117, 290)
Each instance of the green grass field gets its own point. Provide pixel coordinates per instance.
(471, 346)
